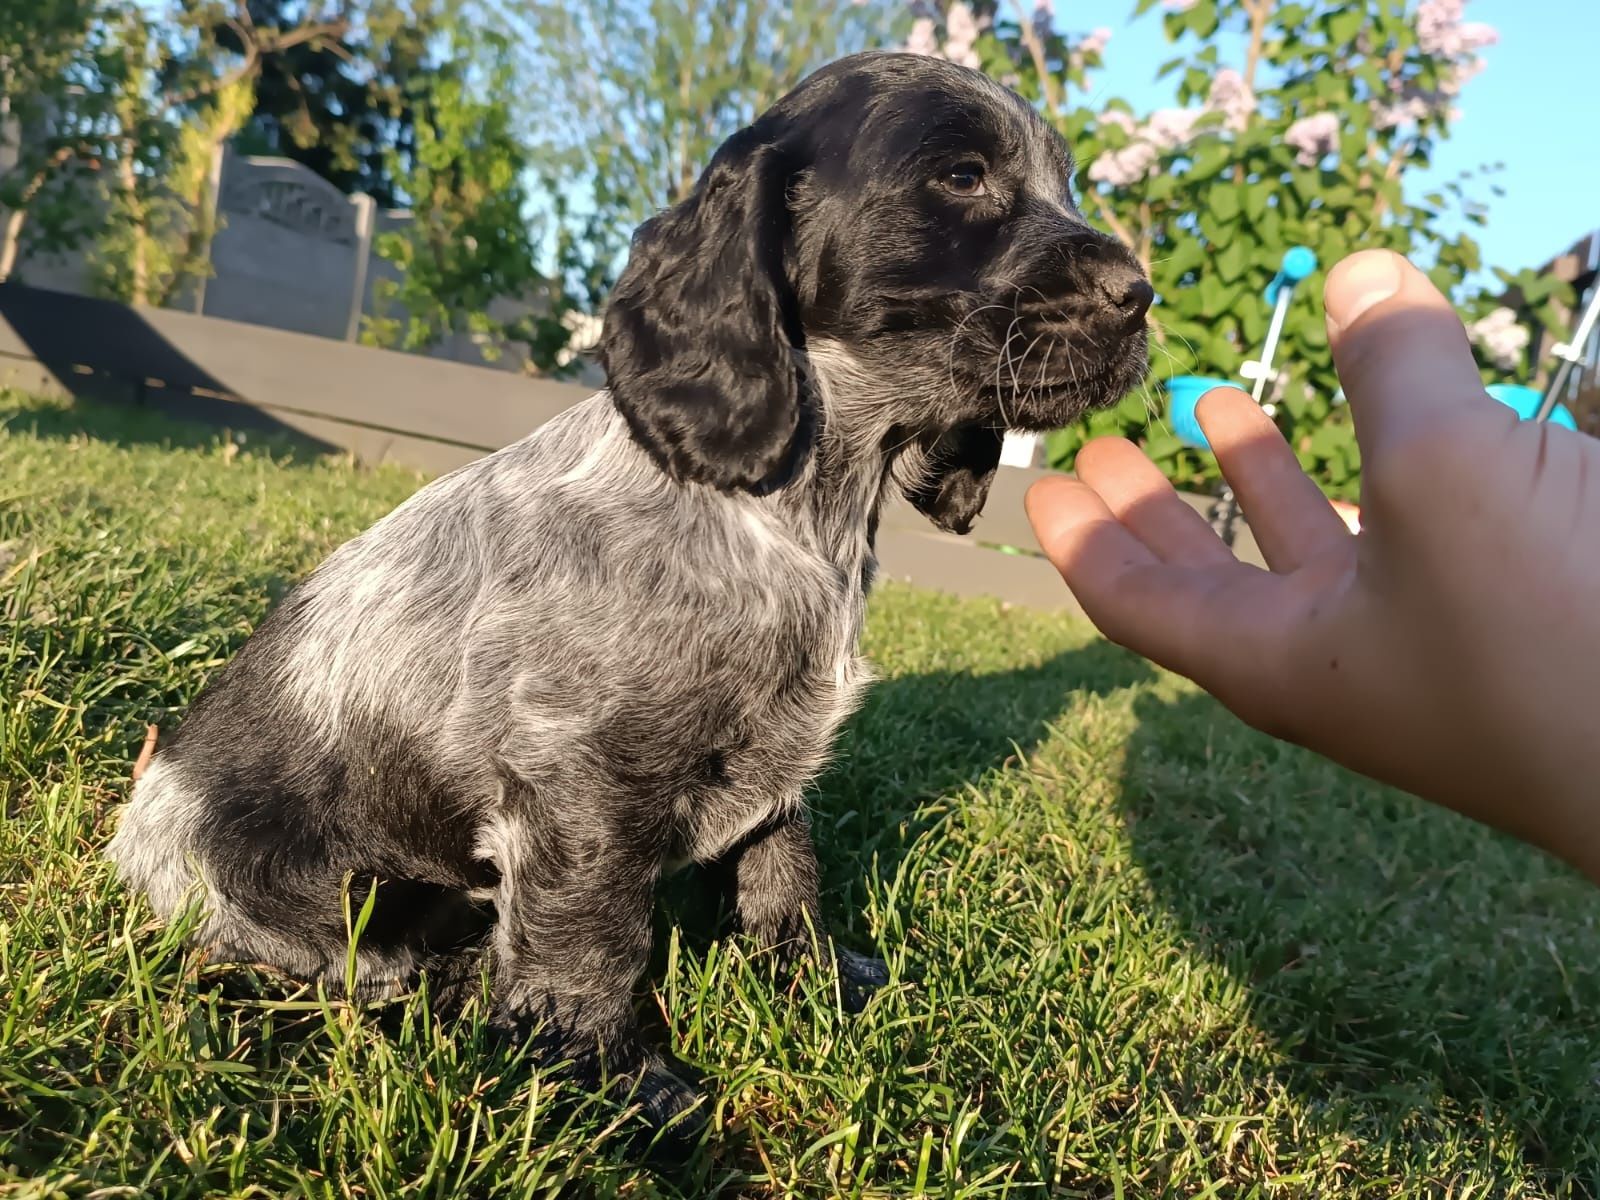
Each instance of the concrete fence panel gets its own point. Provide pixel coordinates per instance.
(290, 251)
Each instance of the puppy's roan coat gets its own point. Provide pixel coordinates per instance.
(627, 641)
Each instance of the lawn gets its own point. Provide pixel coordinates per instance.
(1138, 950)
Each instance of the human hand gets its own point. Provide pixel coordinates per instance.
(1448, 647)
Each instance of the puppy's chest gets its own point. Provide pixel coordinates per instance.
(785, 740)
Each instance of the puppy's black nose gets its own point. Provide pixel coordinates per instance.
(1126, 290)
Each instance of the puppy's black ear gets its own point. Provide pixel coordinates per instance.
(700, 331)
(961, 466)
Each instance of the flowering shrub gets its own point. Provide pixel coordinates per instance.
(1501, 337)
(1305, 140)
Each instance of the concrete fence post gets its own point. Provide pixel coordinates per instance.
(212, 202)
(366, 217)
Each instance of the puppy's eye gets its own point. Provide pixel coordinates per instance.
(964, 179)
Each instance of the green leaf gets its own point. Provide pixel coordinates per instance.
(1307, 185)
(1552, 315)
(1330, 88)
(1185, 256)
(1223, 199)
(1232, 260)
(1161, 444)
(1256, 199)
(1345, 23)
(1131, 407)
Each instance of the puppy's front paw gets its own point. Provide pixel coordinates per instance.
(673, 1110)
(859, 976)
(670, 1107)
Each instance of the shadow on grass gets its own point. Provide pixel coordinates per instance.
(918, 737)
(925, 735)
(1404, 963)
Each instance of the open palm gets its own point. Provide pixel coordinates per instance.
(1446, 647)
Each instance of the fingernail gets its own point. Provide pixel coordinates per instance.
(1357, 284)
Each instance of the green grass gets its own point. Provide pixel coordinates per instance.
(1139, 951)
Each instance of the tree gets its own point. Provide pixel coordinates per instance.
(1306, 138)
(468, 243)
(629, 98)
(342, 107)
(177, 92)
(49, 123)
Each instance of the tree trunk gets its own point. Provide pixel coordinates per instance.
(138, 268)
(17, 218)
(9, 239)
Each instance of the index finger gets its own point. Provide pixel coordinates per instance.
(1208, 623)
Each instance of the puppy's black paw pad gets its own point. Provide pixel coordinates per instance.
(859, 976)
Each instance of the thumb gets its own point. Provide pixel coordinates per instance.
(1400, 349)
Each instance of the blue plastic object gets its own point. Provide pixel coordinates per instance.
(1299, 262)
(1524, 401)
(1184, 392)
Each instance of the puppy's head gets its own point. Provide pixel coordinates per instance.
(910, 215)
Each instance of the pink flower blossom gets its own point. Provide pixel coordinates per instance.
(1501, 337)
(1437, 22)
(1094, 42)
(962, 29)
(961, 26)
(1169, 128)
(924, 39)
(1442, 33)
(1231, 96)
(1411, 108)
(1125, 167)
(1313, 137)
(1123, 121)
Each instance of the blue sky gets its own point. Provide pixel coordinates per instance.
(1536, 108)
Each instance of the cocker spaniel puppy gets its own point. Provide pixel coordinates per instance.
(626, 642)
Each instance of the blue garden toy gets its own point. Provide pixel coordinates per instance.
(1184, 391)
(1528, 404)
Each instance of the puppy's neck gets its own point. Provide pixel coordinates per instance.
(839, 491)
